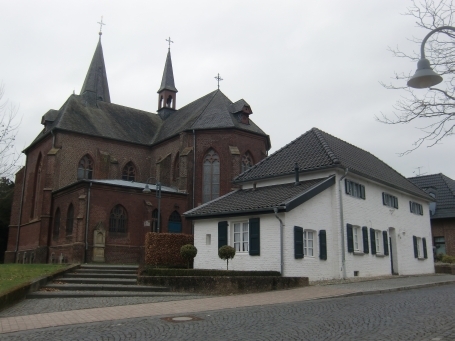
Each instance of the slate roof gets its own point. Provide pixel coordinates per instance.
(444, 189)
(260, 199)
(167, 82)
(316, 150)
(96, 78)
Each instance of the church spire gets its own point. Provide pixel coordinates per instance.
(95, 86)
(167, 91)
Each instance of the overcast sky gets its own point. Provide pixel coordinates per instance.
(299, 64)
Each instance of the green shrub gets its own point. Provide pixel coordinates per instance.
(188, 252)
(448, 259)
(226, 252)
(438, 257)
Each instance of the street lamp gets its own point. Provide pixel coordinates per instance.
(425, 77)
(158, 195)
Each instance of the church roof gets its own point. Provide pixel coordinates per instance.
(167, 82)
(444, 189)
(96, 79)
(317, 150)
(284, 197)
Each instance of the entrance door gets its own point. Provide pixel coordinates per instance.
(393, 251)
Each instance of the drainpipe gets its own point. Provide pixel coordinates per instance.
(343, 256)
(275, 210)
(20, 212)
(194, 162)
(86, 223)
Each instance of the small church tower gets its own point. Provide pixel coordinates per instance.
(95, 86)
(167, 92)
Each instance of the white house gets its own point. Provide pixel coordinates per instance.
(320, 208)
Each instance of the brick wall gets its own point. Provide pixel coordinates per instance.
(445, 228)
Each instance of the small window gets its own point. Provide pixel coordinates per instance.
(56, 231)
(129, 172)
(118, 220)
(241, 236)
(308, 243)
(389, 200)
(440, 245)
(354, 189)
(356, 233)
(247, 161)
(415, 208)
(69, 220)
(85, 168)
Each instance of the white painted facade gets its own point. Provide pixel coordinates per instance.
(322, 212)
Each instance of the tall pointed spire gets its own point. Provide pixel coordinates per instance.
(167, 83)
(95, 86)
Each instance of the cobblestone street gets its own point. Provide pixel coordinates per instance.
(419, 314)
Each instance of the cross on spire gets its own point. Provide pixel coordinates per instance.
(101, 25)
(218, 78)
(169, 41)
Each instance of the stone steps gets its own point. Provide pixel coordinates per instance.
(99, 280)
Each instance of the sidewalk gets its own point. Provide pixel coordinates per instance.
(180, 308)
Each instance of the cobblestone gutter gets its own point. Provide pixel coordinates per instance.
(18, 293)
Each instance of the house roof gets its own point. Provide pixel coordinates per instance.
(316, 150)
(285, 197)
(444, 189)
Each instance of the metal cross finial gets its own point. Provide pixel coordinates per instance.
(169, 41)
(218, 78)
(101, 25)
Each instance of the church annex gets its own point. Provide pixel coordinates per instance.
(79, 197)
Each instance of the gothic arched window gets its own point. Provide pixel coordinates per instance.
(247, 161)
(175, 223)
(85, 168)
(211, 176)
(56, 230)
(69, 220)
(36, 187)
(129, 172)
(118, 220)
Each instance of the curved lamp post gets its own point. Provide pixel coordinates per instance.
(158, 195)
(425, 77)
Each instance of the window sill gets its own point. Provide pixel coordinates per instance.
(358, 253)
(421, 258)
(380, 255)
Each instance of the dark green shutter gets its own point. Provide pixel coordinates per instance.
(424, 243)
(410, 206)
(386, 243)
(254, 237)
(373, 242)
(362, 191)
(346, 185)
(222, 233)
(383, 198)
(322, 245)
(298, 242)
(365, 239)
(350, 238)
(416, 252)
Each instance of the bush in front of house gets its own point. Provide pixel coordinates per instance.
(226, 252)
(163, 249)
(188, 252)
(438, 257)
(448, 259)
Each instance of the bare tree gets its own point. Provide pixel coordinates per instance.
(434, 106)
(9, 125)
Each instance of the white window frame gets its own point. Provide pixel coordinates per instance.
(242, 244)
(378, 239)
(357, 238)
(308, 243)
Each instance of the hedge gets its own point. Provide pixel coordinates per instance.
(163, 249)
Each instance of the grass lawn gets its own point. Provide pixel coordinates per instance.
(12, 275)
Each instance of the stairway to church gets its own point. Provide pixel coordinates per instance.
(92, 280)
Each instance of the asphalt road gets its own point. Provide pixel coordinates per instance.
(420, 314)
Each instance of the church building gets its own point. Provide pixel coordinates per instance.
(80, 196)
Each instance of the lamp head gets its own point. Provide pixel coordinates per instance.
(146, 189)
(424, 77)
